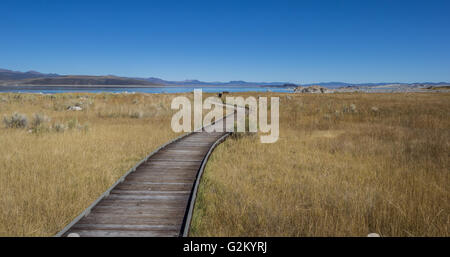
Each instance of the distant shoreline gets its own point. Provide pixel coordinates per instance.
(76, 86)
(51, 89)
(126, 86)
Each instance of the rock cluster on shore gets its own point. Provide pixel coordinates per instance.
(312, 89)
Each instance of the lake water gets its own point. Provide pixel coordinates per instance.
(156, 90)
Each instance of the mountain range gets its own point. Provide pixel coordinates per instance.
(17, 75)
(10, 77)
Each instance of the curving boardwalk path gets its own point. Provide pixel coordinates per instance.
(156, 197)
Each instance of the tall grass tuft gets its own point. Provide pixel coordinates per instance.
(16, 120)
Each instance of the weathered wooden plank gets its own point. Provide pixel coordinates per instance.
(121, 219)
(154, 186)
(127, 227)
(161, 177)
(143, 217)
(150, 178)
(148, 192)
(168, 170)
(123, 233)
(156, 208)
(178, 157)
(153, 202)
(168, 164)
(187, 147)
(148, 197)
(175, 155)
(136, 210)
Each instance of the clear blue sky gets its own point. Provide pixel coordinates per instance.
(295, 41)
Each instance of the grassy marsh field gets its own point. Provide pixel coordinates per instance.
(345, 165)
(61, 160)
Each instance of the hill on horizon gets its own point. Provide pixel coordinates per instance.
(18, 75)
(86, 80)
(10, 77)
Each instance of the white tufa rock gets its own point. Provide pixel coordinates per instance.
(75, 108)
(73, 235)
(373, 235)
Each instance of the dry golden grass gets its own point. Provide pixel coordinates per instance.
(380, 166)
(48, 177)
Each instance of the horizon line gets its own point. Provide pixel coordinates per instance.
(233, 80)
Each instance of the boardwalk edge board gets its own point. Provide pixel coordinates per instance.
(187, 220)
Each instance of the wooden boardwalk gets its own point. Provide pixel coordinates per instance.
(156, 198)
